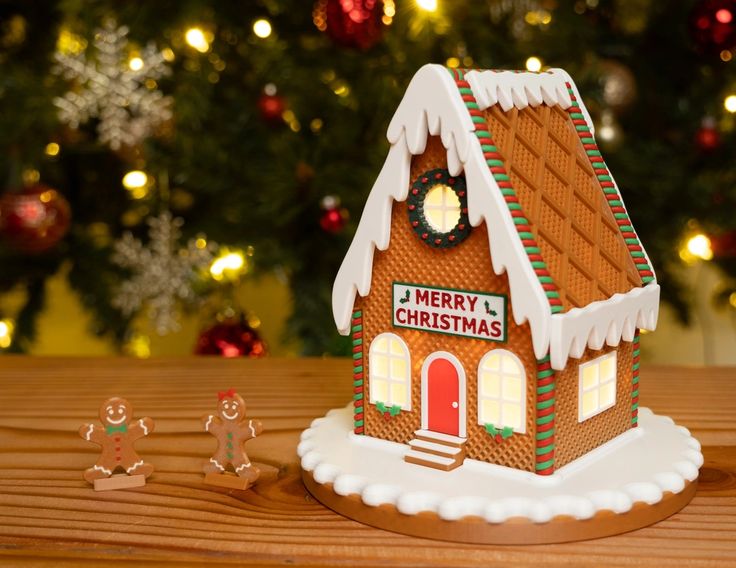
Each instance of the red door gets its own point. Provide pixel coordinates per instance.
(443, 397)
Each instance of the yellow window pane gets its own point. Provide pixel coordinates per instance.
(608, 368)
(512, 415)
(379, 344)
(398, 368)
(398, 394)
(512, 388)
(510, 366)
(397, 347)
(442, 208)
(590, 376)
(379, 390)
(489, 412)
(608, 394)
(491, 385)
(492, 362)
(379, 366)
(590, 402)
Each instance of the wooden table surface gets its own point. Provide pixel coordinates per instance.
(50, 516)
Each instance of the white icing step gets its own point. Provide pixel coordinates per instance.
(440, 437)
(442, 448)
(423, 456)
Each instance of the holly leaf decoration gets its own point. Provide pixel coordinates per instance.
(381, 407)
(491, 429)
(506, 432)
(394, 410)
(489, 310)
(405, 299)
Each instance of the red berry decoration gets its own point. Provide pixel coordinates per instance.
(707, 137)
(713, 25)
(350, 23)
(34, 219)
(334, 218)
(234, 338)
(271, 105)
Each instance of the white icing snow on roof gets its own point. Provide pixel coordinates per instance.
(433, 106)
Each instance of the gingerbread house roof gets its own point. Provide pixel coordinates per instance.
(557, 225)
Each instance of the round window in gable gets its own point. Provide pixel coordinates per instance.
(438, 208)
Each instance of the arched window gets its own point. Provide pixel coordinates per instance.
(502, 390)
(389, 368)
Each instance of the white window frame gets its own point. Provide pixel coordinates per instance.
(389, 379)
(500, 398)
(581, 391)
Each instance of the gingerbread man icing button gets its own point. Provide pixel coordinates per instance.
(229, 466)
(119, 465)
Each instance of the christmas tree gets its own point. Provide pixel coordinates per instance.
(137, 136)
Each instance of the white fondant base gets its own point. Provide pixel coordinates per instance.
(637, 466)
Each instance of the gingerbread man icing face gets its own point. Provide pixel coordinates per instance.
(231, 407)
(115, 411)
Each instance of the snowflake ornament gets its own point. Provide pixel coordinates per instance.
(162, 271)
(112, 88)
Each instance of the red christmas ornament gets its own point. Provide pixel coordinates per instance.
(34, 219)
(230, 339)
(707, 137)
(271, 105)
(350, 23)
(724, 245)
(334, 218)
(713, 25)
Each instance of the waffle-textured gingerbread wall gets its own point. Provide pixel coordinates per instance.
(466, 266)
(573, 438)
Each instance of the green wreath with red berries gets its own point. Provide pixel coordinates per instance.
(415, 204)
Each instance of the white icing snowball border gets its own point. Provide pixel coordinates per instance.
(637, 466)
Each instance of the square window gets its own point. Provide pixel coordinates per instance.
(379, 390)
(608, 367)
(590, 403)
(512, 388)
(608, 395)
(590, 375)
(398, 394)
(512, 415)
(490, 412)
(398, 368)
(491, 385)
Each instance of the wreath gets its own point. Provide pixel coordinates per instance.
(415, 204)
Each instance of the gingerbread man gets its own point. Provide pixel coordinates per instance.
(117, 435)
(232, 430)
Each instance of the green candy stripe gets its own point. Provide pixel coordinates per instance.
(635, 381)
(597, 162)
(357, 370)
(484, 137)
(545, 443)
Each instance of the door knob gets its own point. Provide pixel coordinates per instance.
(454, 404)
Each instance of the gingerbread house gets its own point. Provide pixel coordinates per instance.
(495, 286)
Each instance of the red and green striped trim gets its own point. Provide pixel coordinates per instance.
(635, 383)
(356, 329)
(545, 439)
(494, 160)
(609, 189)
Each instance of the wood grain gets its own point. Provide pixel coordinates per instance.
(50, 517)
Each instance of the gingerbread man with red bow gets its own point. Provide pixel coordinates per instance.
(232, 430)
(117, 435)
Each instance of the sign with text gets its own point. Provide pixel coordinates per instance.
(455, 312)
